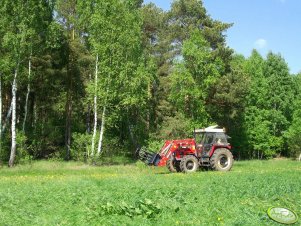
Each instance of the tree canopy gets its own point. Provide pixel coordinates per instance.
(81, 79)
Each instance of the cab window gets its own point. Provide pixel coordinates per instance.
(220, 138)
(209, 138)
(199, 138)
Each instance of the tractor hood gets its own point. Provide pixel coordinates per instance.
(175, 144)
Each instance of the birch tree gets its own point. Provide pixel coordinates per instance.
(13, 121)
(95, 106)
(14, 40)
(103, 118)
(22, 22)
(27, 94)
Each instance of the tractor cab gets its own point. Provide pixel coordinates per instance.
(209, 139)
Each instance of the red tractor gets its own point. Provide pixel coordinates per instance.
(209, 148)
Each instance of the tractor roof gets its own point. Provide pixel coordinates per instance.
(211, 129)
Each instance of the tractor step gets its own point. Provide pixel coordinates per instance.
(205, 164)
(205, 161)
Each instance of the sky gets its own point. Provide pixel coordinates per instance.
(265, 25)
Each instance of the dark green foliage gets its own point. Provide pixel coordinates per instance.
(227, 103)
(280, 92)
(193, 78)
(256, 123)
(293, 134)
(269, 105)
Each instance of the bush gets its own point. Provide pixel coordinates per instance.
(22, 155)
(81, 146)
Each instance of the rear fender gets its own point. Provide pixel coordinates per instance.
(214, 147)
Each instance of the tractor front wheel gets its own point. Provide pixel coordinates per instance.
(189, 164)
(173, 165)
(221, 160)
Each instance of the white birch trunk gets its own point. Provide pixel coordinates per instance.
(95, 107)
(299, 157)
(35, 115)
(103, 117)
(13, 122)
(27, 94)
(7, 117)
(88, 124)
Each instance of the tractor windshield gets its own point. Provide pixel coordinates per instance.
(199, 138)
(210, 138)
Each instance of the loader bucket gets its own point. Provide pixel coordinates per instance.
(149, 158)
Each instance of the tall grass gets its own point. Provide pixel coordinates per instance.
(59, 193)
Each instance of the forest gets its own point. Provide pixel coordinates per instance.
(82, 80)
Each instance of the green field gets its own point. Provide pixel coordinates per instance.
(58, 193)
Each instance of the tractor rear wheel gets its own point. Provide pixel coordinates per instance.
(189, 164)
(221, 160)
(173, 165)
